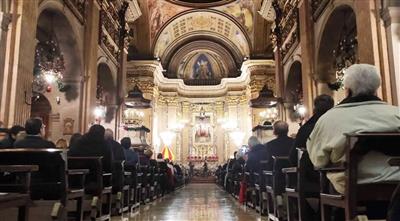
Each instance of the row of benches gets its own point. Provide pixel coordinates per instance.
(269, 190)
(56, 187)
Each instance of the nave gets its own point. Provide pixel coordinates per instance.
(195, 202)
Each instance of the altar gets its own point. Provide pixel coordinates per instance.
(210, 122)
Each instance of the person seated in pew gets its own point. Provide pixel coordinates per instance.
(281, 145)
(130, 155)
(93, 144)
(16, 132)
(35, 132)
(163, 170)
(4, 138)
(143, 159)
(74, 139)
(322, 104)
(360, 111)
(256, 154)
(116, 148)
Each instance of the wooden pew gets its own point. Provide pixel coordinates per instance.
(356, 146)
(298, 189)
(120, 190)
(275, 187)
(131, 180)
(20, 200)
(98, 186)
(260, 191)
(49, 185)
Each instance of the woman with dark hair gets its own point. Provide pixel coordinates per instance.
(93, 144)
(74, 139)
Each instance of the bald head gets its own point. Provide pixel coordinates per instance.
(281, 128)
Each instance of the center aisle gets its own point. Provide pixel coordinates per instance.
(196, 202)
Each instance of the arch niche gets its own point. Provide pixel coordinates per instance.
(340, 25)
(63, 97)
(107, 90)
(294, 87)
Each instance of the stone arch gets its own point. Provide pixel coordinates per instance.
(216, 24)
(55, 23)
(294, 88)
(107, 83)
(345, 16)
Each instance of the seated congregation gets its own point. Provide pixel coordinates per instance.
(94, 178)
(343, 164)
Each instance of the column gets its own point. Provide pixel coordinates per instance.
(391, 17)
(307, 55)
(185, 132)
(90, 64)
(19, 63)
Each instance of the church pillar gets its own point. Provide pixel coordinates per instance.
(90, 64)
(370, 40)
(307, 55)
(391, 17)
(185, 132)
(219, 132)
(18, 62)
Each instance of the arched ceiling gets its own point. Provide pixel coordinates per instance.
(186, 33)
(202, 23)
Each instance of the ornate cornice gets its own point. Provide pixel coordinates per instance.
(236, 99)
(146, 86)
(318, 6)
(267, 11)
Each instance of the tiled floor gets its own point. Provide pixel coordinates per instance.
(195, 202)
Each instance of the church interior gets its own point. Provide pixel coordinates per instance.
(282, 110)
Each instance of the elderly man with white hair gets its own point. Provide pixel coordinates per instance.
(361, 111)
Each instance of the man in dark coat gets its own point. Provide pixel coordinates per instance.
(255, 155)
(4, 138)
(34, 135)
(93, 144)
(281, 145)
(130, 155)
(322, 104)
(117, 150)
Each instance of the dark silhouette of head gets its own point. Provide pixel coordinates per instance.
(322, 104)
(281, 128)
(33, 126)
(126, 142)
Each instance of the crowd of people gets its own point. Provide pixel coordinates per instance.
(98, 141)
(323, 138)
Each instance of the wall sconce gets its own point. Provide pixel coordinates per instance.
(58, 100)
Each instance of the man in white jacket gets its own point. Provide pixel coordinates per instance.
(361, 111)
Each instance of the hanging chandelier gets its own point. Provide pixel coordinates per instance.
(49, 65)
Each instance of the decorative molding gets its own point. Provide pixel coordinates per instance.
(133, 12)
(267, 11)
(78, 8)
(317, 7)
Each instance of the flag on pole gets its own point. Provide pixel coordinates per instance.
(167, 154)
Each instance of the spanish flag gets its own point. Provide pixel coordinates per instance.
(167, 154)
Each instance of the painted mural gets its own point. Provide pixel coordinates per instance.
(202, 68)
(242, 11)
(201, 21)
(201, 65)
(160, 12)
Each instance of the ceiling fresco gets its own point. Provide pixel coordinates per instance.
(162, 11)
(204, 23)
